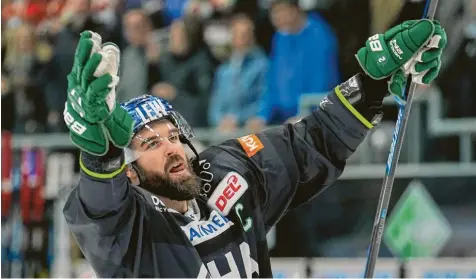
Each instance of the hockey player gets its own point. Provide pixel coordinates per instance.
(143, 209)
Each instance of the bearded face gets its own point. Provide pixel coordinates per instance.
(163, 167)
(185, 186)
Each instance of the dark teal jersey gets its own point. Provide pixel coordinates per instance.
(248, 184)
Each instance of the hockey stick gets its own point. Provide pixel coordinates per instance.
(392, 161)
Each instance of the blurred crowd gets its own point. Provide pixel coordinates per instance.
(224, 64)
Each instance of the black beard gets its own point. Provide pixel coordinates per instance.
(187, 189)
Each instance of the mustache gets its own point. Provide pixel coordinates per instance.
(172, 160)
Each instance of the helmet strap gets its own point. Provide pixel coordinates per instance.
(138, 171)
(186, 141)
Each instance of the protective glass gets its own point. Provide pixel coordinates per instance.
(178, 130)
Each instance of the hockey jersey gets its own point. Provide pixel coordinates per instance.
(248, 184)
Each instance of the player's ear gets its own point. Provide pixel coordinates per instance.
(132, 175)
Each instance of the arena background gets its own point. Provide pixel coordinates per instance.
(325, 238)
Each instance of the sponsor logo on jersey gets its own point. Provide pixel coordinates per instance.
(200, 231)
(206, 175)
(227, 193)
(158, 204)
(218, 269)
(251, 144)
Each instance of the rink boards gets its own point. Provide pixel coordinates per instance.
(385, 268)
(354, 268)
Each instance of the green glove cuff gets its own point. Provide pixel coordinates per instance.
(91, 138)
(119, 125)
(97, 144)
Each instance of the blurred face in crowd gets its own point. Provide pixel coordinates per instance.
(242, 33)
(25, 39)
(285, 17)
(80, 10)
(82, 6)
(178, 38)
(137, 28)
(163, 165)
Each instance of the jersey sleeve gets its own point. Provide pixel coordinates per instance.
(101, 210)
(288, 165)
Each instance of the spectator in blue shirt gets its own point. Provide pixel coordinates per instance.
(304, 60)
(240, 82)
(174, 9)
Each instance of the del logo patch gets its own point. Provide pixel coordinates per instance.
(251, 144)
(227, 193)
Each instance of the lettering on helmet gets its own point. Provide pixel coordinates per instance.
(200, 231)
(251, 144)
(151, 111)
(227, 193)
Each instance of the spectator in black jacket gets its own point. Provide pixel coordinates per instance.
(186, 72)
(76, 17)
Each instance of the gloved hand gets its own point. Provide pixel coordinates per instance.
(411, 47)
(423, 66)
(91, 112)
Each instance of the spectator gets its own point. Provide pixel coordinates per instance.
(24, 59)
(76, 16)
(174, 9)
(8, 98)
(186, 72)
(109, 14)
(134, 79)
(303, 61)
(349, 39)
(240, 82)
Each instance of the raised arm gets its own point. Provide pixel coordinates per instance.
(101, 210)
(288, 165)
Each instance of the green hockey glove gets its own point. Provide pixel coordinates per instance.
(424, 66)
(91, 96)
(91, 138)
(384, 54)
